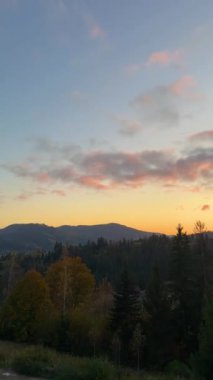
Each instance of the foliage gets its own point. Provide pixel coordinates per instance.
(35, 361)
(143, 317)
(27, 308)
(70, 283)
(178, 368)
(205, 354)
(157, 322)
(125, 315)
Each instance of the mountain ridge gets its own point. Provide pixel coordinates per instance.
(38, 236)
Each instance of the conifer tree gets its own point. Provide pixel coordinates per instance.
(157, 321)
(125, 315)
(183, 295)
(205, 354)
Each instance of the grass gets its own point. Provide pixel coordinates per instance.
(41, 362)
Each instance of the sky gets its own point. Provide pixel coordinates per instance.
(106, 113)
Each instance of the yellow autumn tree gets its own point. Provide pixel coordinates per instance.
(26, 309)
(70, 283)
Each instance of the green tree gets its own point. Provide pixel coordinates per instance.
(125, 315)
(205, 354)
(156, 322)
(27, 310)
(203, 263)
(138, 340)
(185, 313)
(70, 283)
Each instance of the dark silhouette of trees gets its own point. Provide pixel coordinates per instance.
(125, 315)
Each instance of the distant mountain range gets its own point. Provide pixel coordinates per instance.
(29, 237)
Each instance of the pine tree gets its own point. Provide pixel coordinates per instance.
(205, 354)
(125, 315)
(183, 295)
(157, 322)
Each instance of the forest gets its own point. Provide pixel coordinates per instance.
(145, 304)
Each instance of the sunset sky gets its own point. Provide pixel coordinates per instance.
(106, 112)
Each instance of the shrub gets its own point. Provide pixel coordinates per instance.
(67, 372)
(178, 368)
(99, 370)
(35, 361)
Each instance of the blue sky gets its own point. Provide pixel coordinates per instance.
(97, 99)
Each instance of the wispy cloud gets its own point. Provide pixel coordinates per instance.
(202, 136)
(96, 31)
(79, 97)
(205, 208)
(133, 68)
(163, 58)
(25, 194)
(185, 87)
(166, 58)
(103, 170)
(128, 127)
(164, 104)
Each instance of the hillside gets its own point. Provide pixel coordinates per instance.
(28, 237)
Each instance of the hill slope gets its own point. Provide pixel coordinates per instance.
(28, 237)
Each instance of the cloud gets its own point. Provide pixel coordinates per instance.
(25, 195)
(128, 127)
(182, 86)
(158, 106)
(165, 104)
(102, 170)
(202, 136)
(78, 97)
(205, 208)
(61, 193)
(133, 68)
(96, 31)
(166, 58)
(160, 58)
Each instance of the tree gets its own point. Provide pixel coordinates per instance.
(204, 262)
(125, 315)
(70, 283)
(156, 322)
(185, 314)
(138, 340)
(204, 358)
(27, 307)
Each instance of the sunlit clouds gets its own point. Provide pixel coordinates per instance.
(106, 112)
(105, 170)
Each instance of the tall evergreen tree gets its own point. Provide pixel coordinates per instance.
(205, 354)
(125, 315)
(157, 322)
(183, 293)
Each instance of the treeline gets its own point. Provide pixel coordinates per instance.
(145, 304)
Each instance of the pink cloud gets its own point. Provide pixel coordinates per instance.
(182, 86)
(93, 182)
(61, 193)
(23, 196)
(165, 58)
(42, 177)
(104, 170)
(205, 208)
(202, 136)
(96, 31)
(128, 127)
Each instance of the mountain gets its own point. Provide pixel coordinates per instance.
(29, 237)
